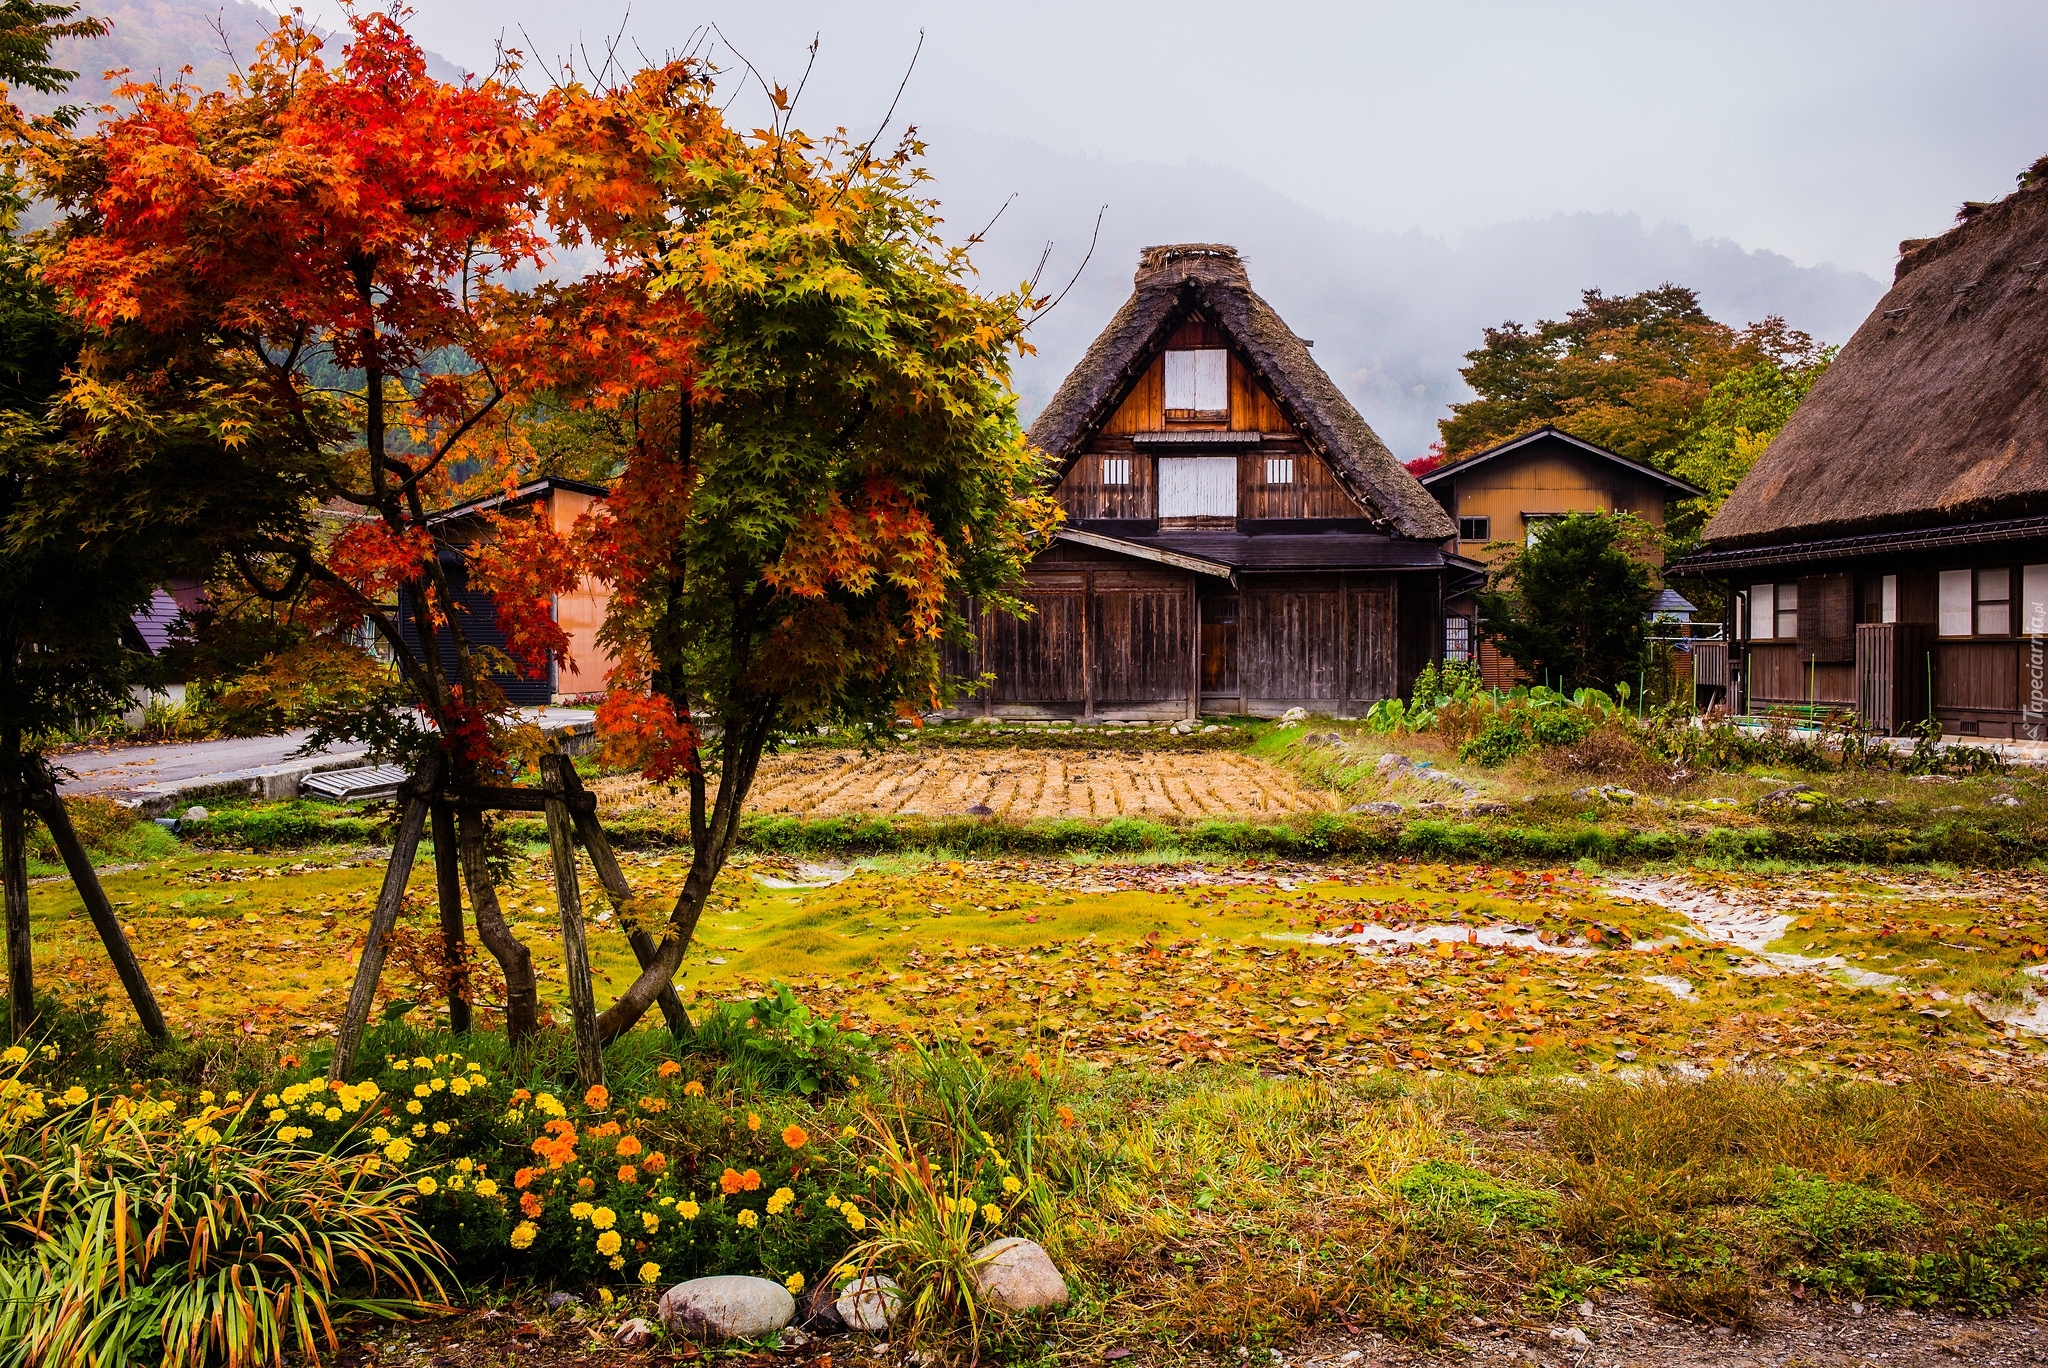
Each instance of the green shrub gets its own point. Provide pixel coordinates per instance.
(775, 1044)
(1499, 741)
(1440, 1187)
(1825, 1216)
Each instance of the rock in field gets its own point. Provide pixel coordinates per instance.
(1294, 717)
(726, 1308)
(1018, 1275)
(634, 1334)
(1379, 809)
(816, 1311)
(868, 1303)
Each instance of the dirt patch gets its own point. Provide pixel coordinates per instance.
(1014, 783)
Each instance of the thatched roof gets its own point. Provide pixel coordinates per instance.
(1173, 282)
(1937, 409)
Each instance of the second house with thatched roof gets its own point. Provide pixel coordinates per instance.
(1888, 555)
(1237, 538)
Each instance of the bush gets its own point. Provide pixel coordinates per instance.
(776, 1045)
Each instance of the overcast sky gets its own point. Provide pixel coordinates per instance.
(1825, 132)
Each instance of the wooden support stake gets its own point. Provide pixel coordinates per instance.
(569, 897)
(390, 899)
(51, 808)
(21, 974)
(599, 848)
(448, 887)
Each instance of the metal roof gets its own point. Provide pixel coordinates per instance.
(1450, 469)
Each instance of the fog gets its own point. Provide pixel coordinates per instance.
(1397, 176)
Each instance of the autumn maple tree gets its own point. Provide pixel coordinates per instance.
(823, 462)
(327, 245)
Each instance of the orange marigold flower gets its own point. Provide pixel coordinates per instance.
(693, 1089)
(1066, 1115)
(751, 1180)
(655, 1162)
(521, 1095)
(669, 1068)
(598, 1098)
(585, 1184)
(628, 1174)
(753, 1121)
(654, 1104)
(794, 1137)
(628, 1146)
(609, 1128)
(730, 1182)
(1031, 1063)
(531, 1204)
(524, 1178)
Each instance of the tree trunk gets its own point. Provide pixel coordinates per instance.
(51, 807)
(448, 890)
(742, 759)
(522, 995)
(591, 832)
(21, 977)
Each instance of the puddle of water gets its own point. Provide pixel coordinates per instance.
(1680, 988)
(1523, 937)
(1713, 918)
(808, 876)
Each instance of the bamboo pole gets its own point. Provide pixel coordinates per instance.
(569, 898)
(50, 807)
(21, 973)
(448, 889)
(591, 832)
(390, 900)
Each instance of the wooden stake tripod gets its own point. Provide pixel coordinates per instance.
(30, 787)
(571, 817)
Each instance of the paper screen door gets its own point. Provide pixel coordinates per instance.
(1198, 486)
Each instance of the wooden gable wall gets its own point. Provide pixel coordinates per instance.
(1313, 493)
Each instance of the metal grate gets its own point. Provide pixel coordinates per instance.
(354, 785)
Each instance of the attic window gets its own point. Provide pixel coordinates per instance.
(1116, 470)
(1279, 470)
(1198, 383)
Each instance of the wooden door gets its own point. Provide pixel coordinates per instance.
(1138, 644)
(1371, 643)
(1037, 659)
(1290, 646)
(1219, 644)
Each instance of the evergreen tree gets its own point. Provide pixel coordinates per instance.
(1570, 608)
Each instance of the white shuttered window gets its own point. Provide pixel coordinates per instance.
(1198, 381)
(2034, 601)
(1197, 486)
(1763, 615)
(1957, 594)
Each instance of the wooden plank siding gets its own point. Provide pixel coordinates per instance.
(1312, 493)
(1782, 675)
(1084, 496)
(1291, 648)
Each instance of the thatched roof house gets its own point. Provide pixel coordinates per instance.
(1936, 412)
(1888, 555)
(1209, 278)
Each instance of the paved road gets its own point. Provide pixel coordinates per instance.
(154, 776)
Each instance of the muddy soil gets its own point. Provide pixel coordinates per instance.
(1016, 784)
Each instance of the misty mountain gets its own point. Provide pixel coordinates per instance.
(1392, 314)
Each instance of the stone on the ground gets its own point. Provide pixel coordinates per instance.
(980, 810)
(868, 1303)
(558, 1300)
(815, 1311)
(1378, 809)
(634, 1334)
(1391, 761)
(1018, 1275)
(728, 1308)
(195, 813)
(1294, 717)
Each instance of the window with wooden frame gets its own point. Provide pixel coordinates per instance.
(1475, 529)
(1116, 470)
(1279, 470)
(1198, 384)
(1994, 602)
(1787, 612)
(2034, 600)
(1763, 619)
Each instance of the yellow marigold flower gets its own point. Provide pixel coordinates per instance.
(421, 1090)
(234, 1097)
(278, 1114)
(422, 1062)
(747, 1220)
(398, 1151)
(581, 1211)
(832, 1202)
(604, 1218)
(206, 1097)
(332, 1113)
(486, 1187)
(779, 1202)
(437, 1084)
(651, 1221)
(854, 1218)
(74, 1095)
(523, 1233)
(687, 1210)
(650, 1273)
(618, 1262)
(412, 1109)
(271, 1100)
(398, 1065)
(794, 1282)
(464, 1165)
(379, 1134)
(609, 1243)
(419, 1131)
(753, 1121)
(440, 1128)
(206, 1135)
(428, 1187)
(849, 1133)
(992, 1213)
(459, 1086)
(1012, 1186)
(13, 1054)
